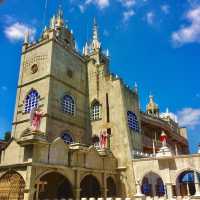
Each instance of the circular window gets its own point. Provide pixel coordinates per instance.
(67, 138)
(34, 68)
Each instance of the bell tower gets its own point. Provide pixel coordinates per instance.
(53, 79)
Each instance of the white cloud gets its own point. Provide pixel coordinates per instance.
(128, 14)
(189, 117)
(100, 3)
(16, 31)
(150, 17)
(128, 3)
(165, 9)
(82, 8)
(190, 33)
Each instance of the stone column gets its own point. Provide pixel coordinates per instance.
(169, 190)
(153, 189)
(77, 188)
(197, 186)
(178, 191)
(104, 187)
(139, 195)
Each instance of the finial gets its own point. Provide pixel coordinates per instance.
(26, 37)
(95, 30)
(135, 88)
(151, 98)
(95, 41)
(60, 11)
(86, 49)
(59, 17)
(107, 53)
(53, 22)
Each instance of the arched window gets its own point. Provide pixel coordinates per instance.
(31, 101)
(68, 105)
(67, 138)
(96, 111)
(133, 121)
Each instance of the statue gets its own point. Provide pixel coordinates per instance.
(163, 139)
(103, 139)
(35, 119)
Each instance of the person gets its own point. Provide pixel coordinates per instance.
(35, 118)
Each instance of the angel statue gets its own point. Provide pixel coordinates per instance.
(35, 119)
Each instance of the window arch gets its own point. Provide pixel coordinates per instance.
(67, 138)
(133, 121)
(68, 105)
(31, 101)
(95, 111)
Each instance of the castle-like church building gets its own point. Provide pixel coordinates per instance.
(79, 132)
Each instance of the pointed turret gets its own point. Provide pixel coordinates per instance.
(95, 40)
(152, 107)
(135, 89)
(60, 18)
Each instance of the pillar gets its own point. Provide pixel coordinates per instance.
(169, 190)
(77, 188)
(139, 195)
(104, 186)
(197, 187)
(178, 191)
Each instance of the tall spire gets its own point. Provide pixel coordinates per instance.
(95, 40)
(95, 30)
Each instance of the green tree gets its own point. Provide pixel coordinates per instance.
(7, 136)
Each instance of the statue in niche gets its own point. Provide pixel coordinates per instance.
(35, 119)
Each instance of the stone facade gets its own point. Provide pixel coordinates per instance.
(82, 102)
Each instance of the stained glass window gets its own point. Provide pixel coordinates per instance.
(133, 121)
(95, 111)
(68, 105)
(67, 138)
(31, 101)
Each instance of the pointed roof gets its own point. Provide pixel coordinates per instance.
(152, 106)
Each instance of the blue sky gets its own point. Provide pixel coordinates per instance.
(153, 42)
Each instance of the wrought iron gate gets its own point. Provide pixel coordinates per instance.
(12, 187)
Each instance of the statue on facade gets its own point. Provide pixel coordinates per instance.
(103, 139)
(163, 139)
(35, 119)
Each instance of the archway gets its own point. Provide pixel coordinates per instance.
(90, 187)
(186, 182)
(111, 187)
(152, 185)
(52, 186)
(12, 186)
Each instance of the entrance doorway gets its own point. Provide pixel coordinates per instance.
(90, 187)
(53, 186)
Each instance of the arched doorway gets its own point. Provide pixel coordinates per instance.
(90, 187)
(152, 185)
(12, 186)
(111, 187)
(186, 182)
(53, 186)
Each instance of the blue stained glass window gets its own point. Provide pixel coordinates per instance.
(68, 105)
(133, 121)
(67, 138)
(31, 101)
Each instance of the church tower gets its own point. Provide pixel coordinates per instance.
(114, 109)
(53, 79)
